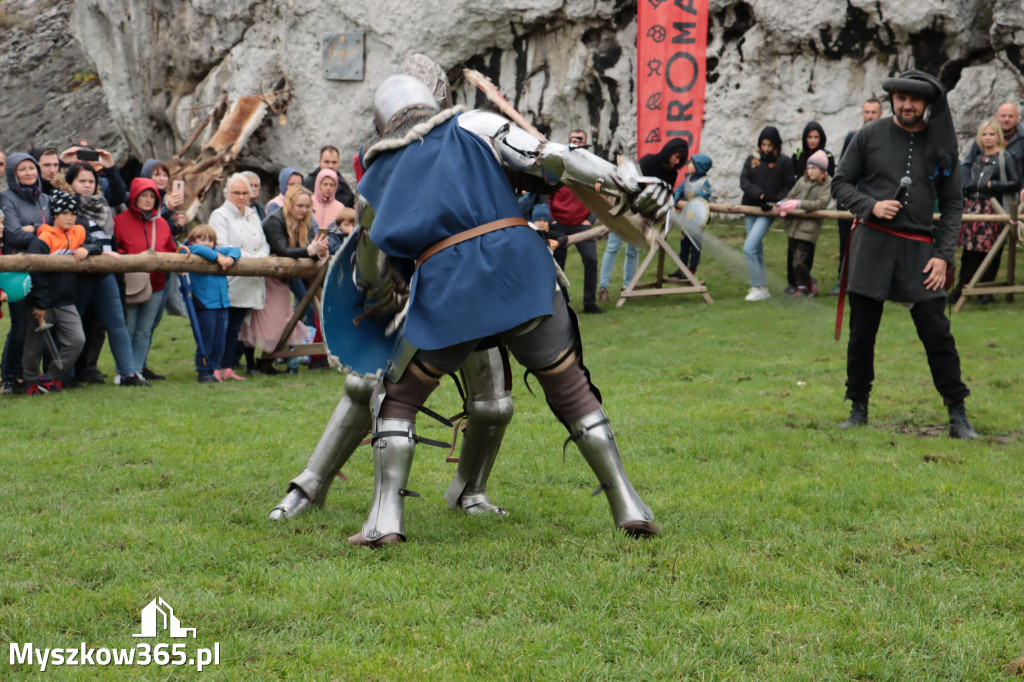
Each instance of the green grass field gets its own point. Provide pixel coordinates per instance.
(789, 550)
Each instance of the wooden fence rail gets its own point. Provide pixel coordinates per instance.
(271, 266)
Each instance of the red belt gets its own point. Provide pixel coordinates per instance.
(846, 256)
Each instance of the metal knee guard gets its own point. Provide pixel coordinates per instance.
(489, 408)
(596, 441)
(394, 441)
(348, 425)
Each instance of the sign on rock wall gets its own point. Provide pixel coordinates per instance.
(671, 40)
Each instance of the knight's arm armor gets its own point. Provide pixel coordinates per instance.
(374, 271)
(520, 151)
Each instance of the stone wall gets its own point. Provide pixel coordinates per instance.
(138, 75)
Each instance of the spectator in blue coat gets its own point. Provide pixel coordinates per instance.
(210, 296)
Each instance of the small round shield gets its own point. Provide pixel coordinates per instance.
(354, 344)
(692, 219)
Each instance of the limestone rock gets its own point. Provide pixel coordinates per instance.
(162, 66)
(50, 92)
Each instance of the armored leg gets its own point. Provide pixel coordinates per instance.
(596, 441)
(489, 407)
(347, 427)
(393, 446)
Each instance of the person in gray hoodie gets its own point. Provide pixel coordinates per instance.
(25, 207)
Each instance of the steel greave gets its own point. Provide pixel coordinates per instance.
(596, 442)
(348, 426)
(392, 461)
(489, 409)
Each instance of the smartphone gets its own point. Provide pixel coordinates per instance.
(179, 187)
(88, 155)
(321, 232)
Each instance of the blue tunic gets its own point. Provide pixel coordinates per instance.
(431, 189)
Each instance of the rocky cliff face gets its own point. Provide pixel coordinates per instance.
(138, 75)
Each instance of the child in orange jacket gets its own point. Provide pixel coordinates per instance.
(52, 298)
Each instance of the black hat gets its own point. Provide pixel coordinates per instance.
(62, 202)
(941, 147)
(909, 85)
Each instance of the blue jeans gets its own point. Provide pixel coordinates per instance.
(103, 296)
(213, 325)
(142, 319)
(689, 254)
(298, 288)
(753, 248)
(229, 358)
(611, 252)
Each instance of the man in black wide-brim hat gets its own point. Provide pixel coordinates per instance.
(890, 178)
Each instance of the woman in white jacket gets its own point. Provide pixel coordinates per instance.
(237, 224)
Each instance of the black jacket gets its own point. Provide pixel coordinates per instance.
(804, 152)
(1014, 147)
(983, 170)
(276, 232)
(54, 289)
(654, 164)
(774, 183)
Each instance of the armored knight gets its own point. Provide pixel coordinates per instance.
(485, 375)
(440, 205)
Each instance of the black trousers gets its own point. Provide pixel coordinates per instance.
(588, 253)
(933, 330)
(970, 261)
(801, 258)
(792, 277)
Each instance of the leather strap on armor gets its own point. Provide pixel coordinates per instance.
(469, 234)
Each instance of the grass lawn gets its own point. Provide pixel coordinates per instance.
(789, 550)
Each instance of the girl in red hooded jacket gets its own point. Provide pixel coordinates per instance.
(137, 230)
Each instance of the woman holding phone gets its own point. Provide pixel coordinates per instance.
(291, 234)
(172, 195)
(108, 178)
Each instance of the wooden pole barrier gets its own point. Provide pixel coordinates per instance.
(838, 215)
(271, 266)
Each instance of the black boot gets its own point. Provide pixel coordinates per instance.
(858, 414)
(959, 426)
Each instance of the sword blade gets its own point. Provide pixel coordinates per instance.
(51, 346)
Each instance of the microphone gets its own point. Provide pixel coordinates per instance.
(901, 192)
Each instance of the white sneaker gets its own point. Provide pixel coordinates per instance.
(758, 294)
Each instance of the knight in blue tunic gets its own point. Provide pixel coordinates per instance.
(437, 200)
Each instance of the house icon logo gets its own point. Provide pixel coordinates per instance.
(158, 614)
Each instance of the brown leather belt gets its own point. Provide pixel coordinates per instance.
(468, 234)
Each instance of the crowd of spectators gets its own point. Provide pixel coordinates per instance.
(76, 202)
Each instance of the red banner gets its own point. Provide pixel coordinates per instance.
(671, 41)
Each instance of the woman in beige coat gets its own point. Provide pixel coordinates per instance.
(237, 224)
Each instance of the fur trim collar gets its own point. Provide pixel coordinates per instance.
(407, 134)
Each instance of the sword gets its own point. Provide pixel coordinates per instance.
(44, 329)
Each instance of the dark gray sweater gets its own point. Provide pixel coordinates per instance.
(879, 155)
